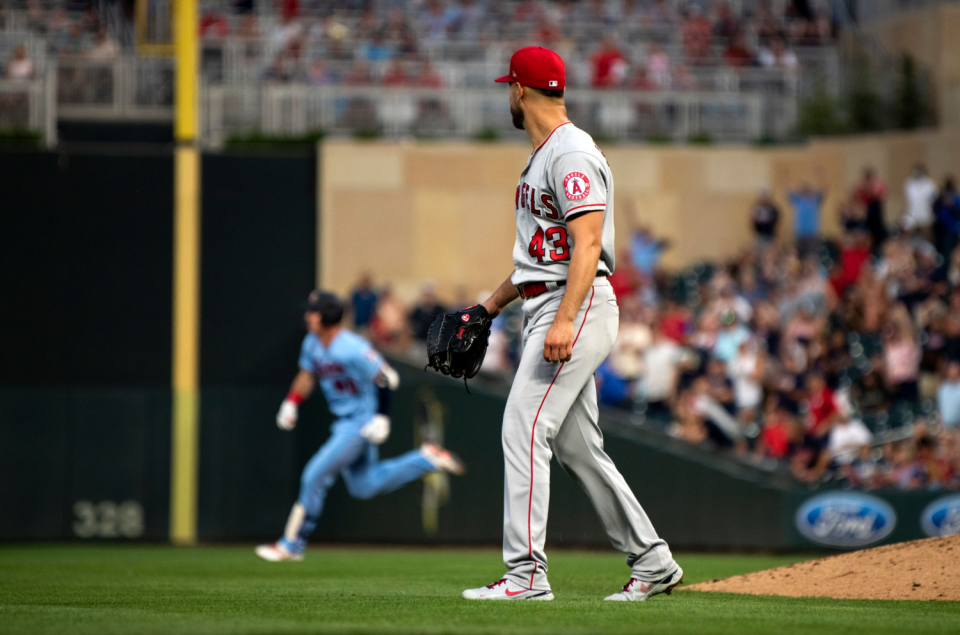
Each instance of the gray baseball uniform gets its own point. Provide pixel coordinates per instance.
(552, 409)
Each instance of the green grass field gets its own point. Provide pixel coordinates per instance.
(105, 589)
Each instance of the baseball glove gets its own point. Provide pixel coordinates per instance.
(457, 342)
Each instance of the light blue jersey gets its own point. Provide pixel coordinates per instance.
(346, 371)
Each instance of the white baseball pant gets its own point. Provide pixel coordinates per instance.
(552, 409)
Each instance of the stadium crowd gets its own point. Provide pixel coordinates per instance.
(838, 360)
(337, 41)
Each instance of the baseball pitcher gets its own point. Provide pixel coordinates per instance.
(562, 257)
(357, 383)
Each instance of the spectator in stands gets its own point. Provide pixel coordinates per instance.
(633, 338)
(363, 300)
(947, 212)
(948, 396)
(645, 252)
(935, 470)
(527, 11)
(287, 31)
(105, 49)
(609, 64)
(766, 25)
(867, 471)
(359, 75)
(213, 24)
(389, 328)
(20, 66)
(663, 360)
(469, 20)
(746, 371)
(74, 41)
(920, 192)
(726, 25)
(427, 76)
(778, 430)
(248, 29)
(812, 30)
(697, 35)
(377, 49)
(721, 427)
(738, 54)
(901, 357)
(396, 74)
(434, 21)
(612, 388)
(641, 81)
(319, 74)
(426, 310)
(657, 67)
(396, 26)
(807, 203)
(683, 78)
(765, 217)
(777, 55)
(847, 437)
(58, 25)
(871, 193)
(367, 26)
(661, 13)
(546, 33)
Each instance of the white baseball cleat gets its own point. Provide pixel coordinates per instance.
(504, 589)
(442, 459)
(637, 590)
(277, 552)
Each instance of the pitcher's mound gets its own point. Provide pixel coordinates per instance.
(918, 570)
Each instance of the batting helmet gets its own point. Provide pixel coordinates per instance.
(328, 305)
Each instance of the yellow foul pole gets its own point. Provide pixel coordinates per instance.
(186, 282)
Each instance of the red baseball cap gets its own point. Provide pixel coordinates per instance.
(536, 67)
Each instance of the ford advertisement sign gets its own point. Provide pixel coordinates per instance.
(942, 517)
(845, 519)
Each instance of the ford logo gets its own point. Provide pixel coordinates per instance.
(845, 519)
(942, 517)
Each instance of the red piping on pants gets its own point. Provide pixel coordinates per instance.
(533, 433)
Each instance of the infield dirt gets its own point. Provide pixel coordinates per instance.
(919, 570)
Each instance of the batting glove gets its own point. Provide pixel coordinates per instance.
(376, 430)
(287, 417)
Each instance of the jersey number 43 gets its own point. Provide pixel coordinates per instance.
(557, 237)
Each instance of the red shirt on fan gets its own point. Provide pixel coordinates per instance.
(822, 409)
(775, 439)
(608, 66)
(852, 260)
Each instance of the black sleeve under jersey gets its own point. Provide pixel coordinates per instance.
(383, 406)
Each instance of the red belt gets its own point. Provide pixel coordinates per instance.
(533, 289)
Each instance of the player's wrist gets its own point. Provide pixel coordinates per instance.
(295, 398)
(493, 309)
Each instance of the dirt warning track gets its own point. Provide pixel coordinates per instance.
(918, 570)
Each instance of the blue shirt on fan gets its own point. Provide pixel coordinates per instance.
(345, 370)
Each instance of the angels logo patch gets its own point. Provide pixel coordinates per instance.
(576, 186)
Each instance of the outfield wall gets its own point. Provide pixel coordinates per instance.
(85, 255)
(408, 212)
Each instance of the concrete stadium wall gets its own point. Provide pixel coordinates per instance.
(444, 211)
(929, 35)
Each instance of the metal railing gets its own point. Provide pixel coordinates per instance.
(138, 88)
(28, 105)
(298, 109)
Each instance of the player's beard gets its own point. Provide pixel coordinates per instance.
(517, 114)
